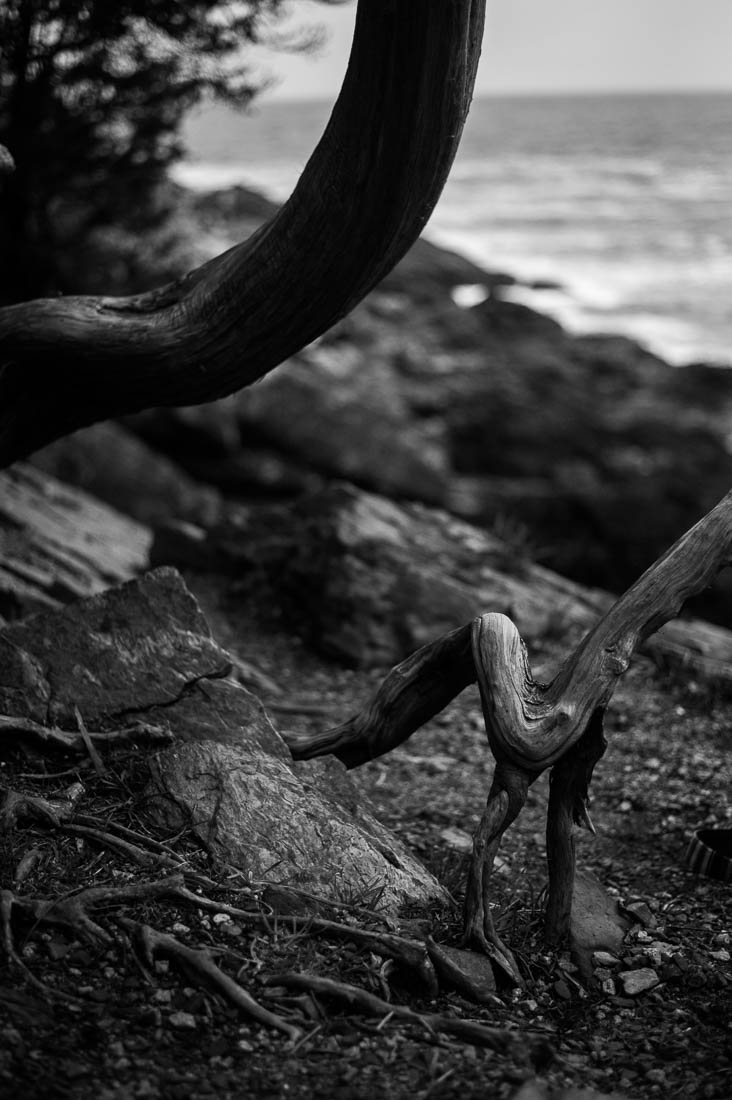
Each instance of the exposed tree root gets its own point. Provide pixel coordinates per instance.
(49, 737)
(8, 901)
(198, 966)
(499, 1039)
(17, 807)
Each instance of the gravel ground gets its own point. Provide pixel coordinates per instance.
(103, 1025)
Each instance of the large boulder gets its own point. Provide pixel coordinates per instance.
(117, 467)
(143, 651)
(368, 580)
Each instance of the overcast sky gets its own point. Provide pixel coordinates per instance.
(552, 46)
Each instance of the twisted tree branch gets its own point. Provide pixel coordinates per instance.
(361, 201)
(530, 726)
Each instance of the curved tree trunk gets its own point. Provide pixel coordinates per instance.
(362, 200)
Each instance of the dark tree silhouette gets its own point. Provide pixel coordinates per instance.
(92, 97)
(361, 201)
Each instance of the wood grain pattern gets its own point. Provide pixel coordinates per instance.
(531, 726)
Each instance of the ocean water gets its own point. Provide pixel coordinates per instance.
(623, 203)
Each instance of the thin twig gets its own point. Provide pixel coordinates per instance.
(94, 756)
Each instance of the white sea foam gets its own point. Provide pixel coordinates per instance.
(626, 202)
(276, 180)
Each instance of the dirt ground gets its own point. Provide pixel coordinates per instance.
(96, 1022)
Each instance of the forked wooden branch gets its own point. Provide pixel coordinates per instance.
(531, 726)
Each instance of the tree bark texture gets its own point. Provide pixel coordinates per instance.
(361, 201)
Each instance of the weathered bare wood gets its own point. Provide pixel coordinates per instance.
(411, 694)
(568, 797)
(361, 201)
(375, 579)
(534, 725)
(506, 799)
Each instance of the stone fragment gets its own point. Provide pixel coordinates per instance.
(470, 973)
(143, 651)
(458, 839)
(132, 647)
(635, 982)
(605, 958)
(596, 923)
(539, 1090)
(59, 544)
(641, 912)
(183, 1021)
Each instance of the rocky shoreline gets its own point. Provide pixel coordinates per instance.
(589, 453)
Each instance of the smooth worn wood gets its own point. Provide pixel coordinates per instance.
(414, 691)
(533, 725)
(361, 201)
(568, 799)
(506, 799)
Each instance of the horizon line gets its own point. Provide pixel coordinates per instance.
(538, 93)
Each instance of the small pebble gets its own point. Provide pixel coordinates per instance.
(183, 1021)
(604, 958)
(638, 981)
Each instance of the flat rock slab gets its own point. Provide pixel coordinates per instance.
(596, 923)
(132, 647)
(638, 981)
(59, 544)
(248, 806)
(466, 971)
(144, 651)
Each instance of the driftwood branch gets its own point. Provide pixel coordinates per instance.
(531, 726)
(361, 201)
(412, 693)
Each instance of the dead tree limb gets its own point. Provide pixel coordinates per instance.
(361, 201)
(412, 693)
(531, 726)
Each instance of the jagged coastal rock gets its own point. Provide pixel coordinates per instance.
(142, 653)
(600, 449)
